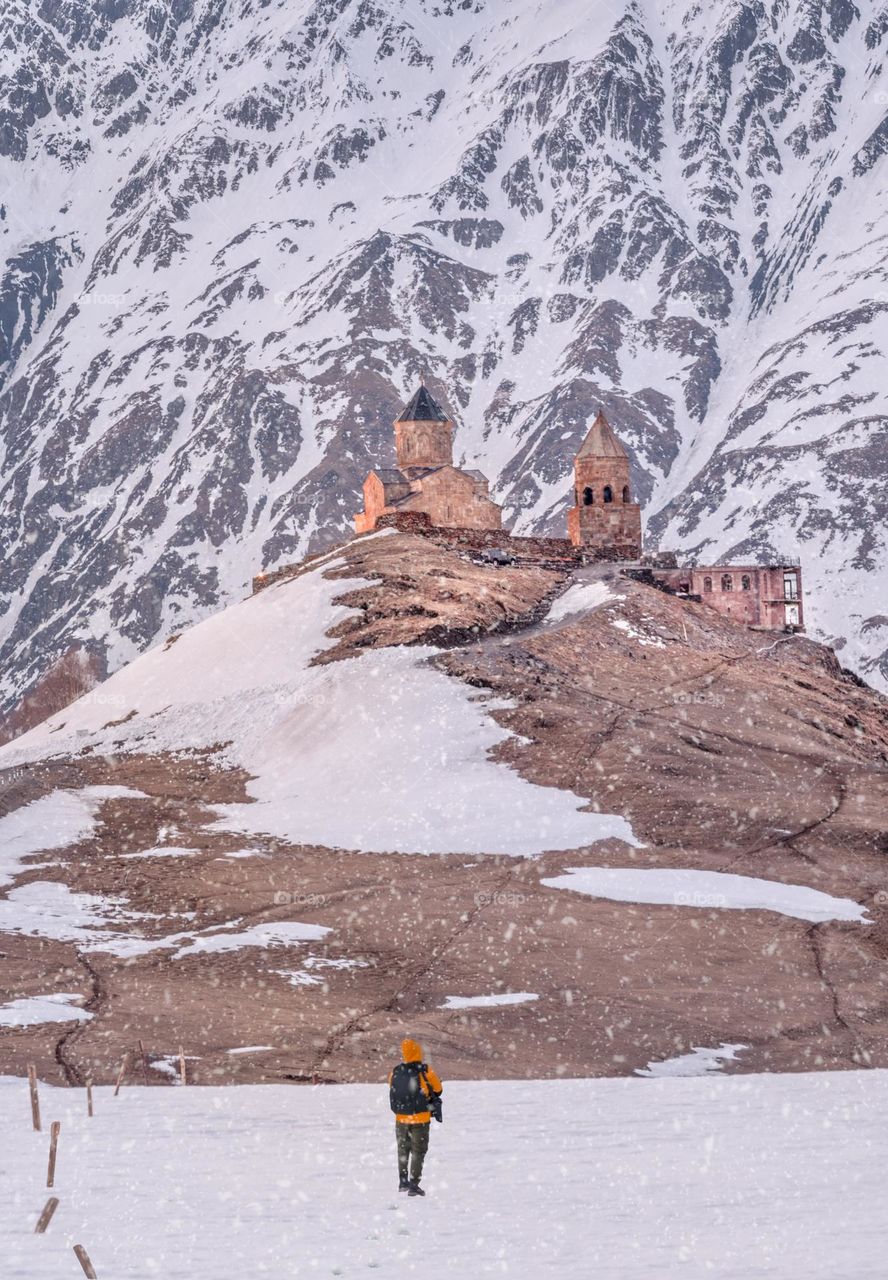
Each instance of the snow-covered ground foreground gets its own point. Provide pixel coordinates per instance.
(746, 1176)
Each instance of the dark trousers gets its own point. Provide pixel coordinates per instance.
(413, 1143)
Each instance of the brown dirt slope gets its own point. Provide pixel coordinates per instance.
(728, 750)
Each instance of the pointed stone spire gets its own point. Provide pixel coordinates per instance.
(604, 519)
(422, 407)
(601, 441)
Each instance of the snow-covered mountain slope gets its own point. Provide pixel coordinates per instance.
(727, 1177)
(235, 233)
(413, 757)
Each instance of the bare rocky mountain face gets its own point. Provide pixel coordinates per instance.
(729, 752)
(235, 233)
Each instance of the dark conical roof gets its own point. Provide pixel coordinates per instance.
(422, 407)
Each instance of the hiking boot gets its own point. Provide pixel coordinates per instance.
(403, 1184)
(414, 1189)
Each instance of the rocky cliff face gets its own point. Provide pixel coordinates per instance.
(234, 234)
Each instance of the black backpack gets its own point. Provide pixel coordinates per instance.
(406, 1096)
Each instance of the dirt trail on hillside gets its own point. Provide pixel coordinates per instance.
(728, 750)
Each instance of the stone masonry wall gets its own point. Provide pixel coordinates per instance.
(558, 552)
(535, 549)
(451, 498)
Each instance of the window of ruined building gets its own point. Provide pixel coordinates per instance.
(587, 497)
(625, 493)
(707, 584)
(727, 582)
(608, 493)
(791, 586)
(746, 582)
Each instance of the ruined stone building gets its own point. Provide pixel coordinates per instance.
(757, 595)
(425, 479)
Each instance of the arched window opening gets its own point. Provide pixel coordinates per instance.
(727, 582)
(625, 493)
(707, 584)
(608, 493)
(746, 582)
(587, 497)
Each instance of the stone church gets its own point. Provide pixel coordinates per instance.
(425, 479)
(426, 493)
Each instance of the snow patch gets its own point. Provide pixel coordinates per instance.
(169, 1065)
(699, 1062)
(487, 1002)
(643, 637)
(54, 821)
(410, 748)
(581, 597)
(33, 1011)
(708, 889)
(308, 975)
(48, 909)
(283, 933)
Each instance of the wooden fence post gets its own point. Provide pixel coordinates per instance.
(182, 1073)
(54, 1131)
(144, 1058)
(83, 1259)
(46, 1216)
(124, 1067)
(89, 1097)
(35, 1100)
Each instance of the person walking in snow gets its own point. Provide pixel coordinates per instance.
(415, 1096)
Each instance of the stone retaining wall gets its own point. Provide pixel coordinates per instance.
(551, 552)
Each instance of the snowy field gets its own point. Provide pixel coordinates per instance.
(744, 1176)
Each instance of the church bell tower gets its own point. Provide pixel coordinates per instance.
(423, 433)
(604, 516)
